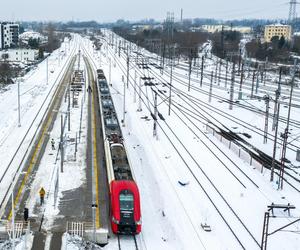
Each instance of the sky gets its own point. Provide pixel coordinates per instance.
(112, 10)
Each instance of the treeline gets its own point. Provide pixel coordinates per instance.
(278, 50)
(187, 43)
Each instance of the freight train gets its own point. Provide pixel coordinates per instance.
(125, 211)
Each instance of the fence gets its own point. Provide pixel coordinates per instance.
(20, 227)
(242, 153)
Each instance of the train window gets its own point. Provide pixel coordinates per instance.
(126, 200)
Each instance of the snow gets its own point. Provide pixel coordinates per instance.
(34, 35)
(70, 242)
(20, 244)
(35, 96)
(172, 214)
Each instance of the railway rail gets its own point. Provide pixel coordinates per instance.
(221, 199)
(129, 242)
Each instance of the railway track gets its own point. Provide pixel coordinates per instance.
(216, 201)
(149, 105)
(192, 102)
(295, 123)
(127, 242)
(259, 155)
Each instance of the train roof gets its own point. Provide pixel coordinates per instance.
(113, 134)
(120, 163)
(109, 114)
(117, 186)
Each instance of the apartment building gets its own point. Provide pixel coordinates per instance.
(277, 30)
(9, 35)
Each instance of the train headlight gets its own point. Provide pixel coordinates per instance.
(139, 222)
(114, 220)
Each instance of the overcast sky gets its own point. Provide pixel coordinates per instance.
(111, 10)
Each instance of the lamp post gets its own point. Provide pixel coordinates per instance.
(47, 77)
(124, 104)
(13, 218)
(19, 111)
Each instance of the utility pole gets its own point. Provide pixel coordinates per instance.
(275, 143)
(216, 72)
(47, 76)
(267, 101)
(265, 70)
(13, 219)
(202, 66)
(190, 71)
(19, 104)
(292, 12)
(210, 86)
(277, 94)
(61, 144)
(155, 115)
(140, 96)
(240, 60)
(78, 59)
(170, 92)
(181, 16)
(163, 58)
(257, 80)
(226, 73)
(69, 106)
(110, 72)
(286, 132)
(219, 75)
(127, 81)
(241, 82)
(222, 40)
(232, 87)
(265, 231)
(134, 90)
(124, 102)
(252, 86)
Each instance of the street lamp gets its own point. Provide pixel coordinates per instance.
(19, 111)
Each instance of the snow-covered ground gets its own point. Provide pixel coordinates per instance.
(35, 96)
(172, 213)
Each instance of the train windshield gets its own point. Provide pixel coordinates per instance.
(126, 201)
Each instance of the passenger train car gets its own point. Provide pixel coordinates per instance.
(125, 208)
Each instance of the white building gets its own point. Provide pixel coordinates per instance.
(19, 55)
(26, 36)
(218, 28)
(9, 35)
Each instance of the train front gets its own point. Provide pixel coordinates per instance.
(125, 207)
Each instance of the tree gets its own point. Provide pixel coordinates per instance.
(41, 53)
(33, 43)
(281, 42)
(53, 40)
(4, 56)
(7, 72)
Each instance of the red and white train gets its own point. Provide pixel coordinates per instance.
(125, 208)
